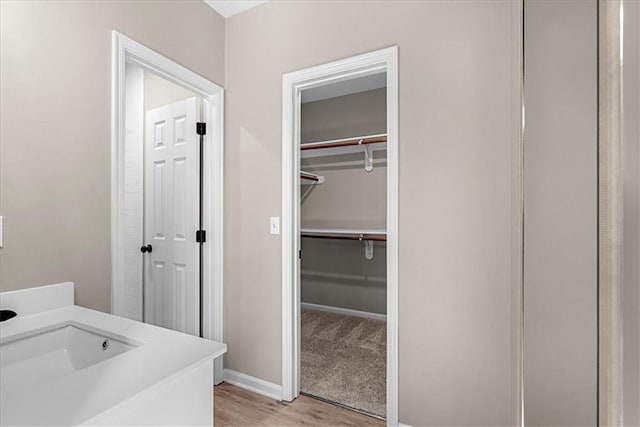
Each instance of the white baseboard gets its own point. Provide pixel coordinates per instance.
(345, 311)
(403, 425)
(253, 384)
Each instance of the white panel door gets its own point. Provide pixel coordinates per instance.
(172, 167)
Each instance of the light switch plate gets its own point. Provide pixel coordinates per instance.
(274, 225)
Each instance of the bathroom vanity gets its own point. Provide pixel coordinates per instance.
(61, 364)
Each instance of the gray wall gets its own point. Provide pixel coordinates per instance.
(335, 272)
(159, 92)
(459, 81)
(358, 114)
(560, 339)
(55, 101)
(631, 238)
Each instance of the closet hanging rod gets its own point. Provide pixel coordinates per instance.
(348, 142)
(360, 237)
(345, 231)
(309, 176)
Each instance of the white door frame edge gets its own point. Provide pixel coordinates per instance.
(384, 60)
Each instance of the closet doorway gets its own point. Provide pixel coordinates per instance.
(340, 233)
(166, 193)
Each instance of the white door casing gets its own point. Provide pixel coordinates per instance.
(127, 51)
(133, 196)
(172, 205)
(293, 83)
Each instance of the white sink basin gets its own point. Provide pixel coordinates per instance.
(61, 364)
(56, 352)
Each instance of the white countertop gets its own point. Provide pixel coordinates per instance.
(80, 396)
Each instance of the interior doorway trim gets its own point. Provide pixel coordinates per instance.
(384, 60)
(127, 51)
(610, 210)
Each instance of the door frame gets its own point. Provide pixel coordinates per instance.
(125, 51)
(610, 209)
(384, 60)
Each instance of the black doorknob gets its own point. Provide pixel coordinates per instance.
(147, 248)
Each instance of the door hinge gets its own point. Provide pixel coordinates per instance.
(201, 236)
(201, 128)
(300, 254)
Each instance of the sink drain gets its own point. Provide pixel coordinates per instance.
(105, 345)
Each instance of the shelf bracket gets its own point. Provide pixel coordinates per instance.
(368, 249)
(368, 157)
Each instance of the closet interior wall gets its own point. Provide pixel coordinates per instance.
(336, 273)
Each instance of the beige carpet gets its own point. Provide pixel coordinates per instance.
(344, 360)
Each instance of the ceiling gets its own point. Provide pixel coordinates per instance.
(228, 8)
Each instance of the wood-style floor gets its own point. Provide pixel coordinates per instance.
(238, 407)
